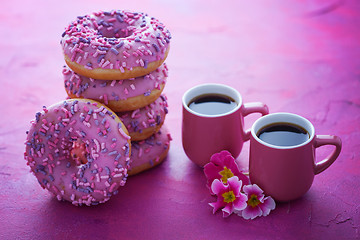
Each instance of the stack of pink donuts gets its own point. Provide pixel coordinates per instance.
(83, 149)
(117, 58)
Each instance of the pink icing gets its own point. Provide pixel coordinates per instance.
(149, 150)
(147, 117)
(115, 90)
(58, 132)
(115, 40)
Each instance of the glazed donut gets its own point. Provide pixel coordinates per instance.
(144, 122)
(151, 152)
(119, 95)
(115, 45)
(79, 150)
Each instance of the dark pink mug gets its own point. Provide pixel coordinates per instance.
(203, 135)
(287, 172)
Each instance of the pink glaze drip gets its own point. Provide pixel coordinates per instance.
(67, 127)
(115, 40)
(147, 117)
(104, 91)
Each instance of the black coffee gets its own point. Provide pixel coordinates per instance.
(212, 104)
(283, 134)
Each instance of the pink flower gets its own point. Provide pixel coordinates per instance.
(257, 204)
(229, 197)
(222, 166)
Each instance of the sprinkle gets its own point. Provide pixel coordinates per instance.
(113, 50)
(118, 157)
(112, 187)
(79, 59)
(140, 152)
(112, 153)
(37, 116)
(157, 49)
(100, 58)
(123, 134)
(118, 175)
(103, 146)
(133, 115)
(126, 54)
(87, 118)
(97, 145)
(106, 100)
(120, 44)
(106, 63)
(119, 18)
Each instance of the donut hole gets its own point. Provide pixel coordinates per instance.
(109, 28)
(79, 153)
(115, 32)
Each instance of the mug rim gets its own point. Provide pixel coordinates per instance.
(310, 128)
(186, 101)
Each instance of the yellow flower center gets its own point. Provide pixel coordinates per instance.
(253, 200)
(228, 196)
(226, 173)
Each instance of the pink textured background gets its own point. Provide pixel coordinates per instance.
(296, 56)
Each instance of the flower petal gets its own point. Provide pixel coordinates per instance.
(234, 184)
(218, 158)
(217, 205)
(241, 202)
(217, 187)
(254, 189)
(211, 172)
(267, 206)
(251, 213)
(245, 179)
(229, 162)
(228, 210)
(220, 161)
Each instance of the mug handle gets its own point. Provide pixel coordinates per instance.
(253, 107)
(321, 140)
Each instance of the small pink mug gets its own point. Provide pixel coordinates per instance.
(287, 172)
(203, 135)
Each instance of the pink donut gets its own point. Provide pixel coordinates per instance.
(115, 45)
(79, 150)
(150, 152)
(144, 122)
(119, 95)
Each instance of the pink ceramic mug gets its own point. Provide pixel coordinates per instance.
(204, 135)
(287, 172)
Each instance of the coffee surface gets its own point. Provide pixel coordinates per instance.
(283, 134)
(212, 104)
